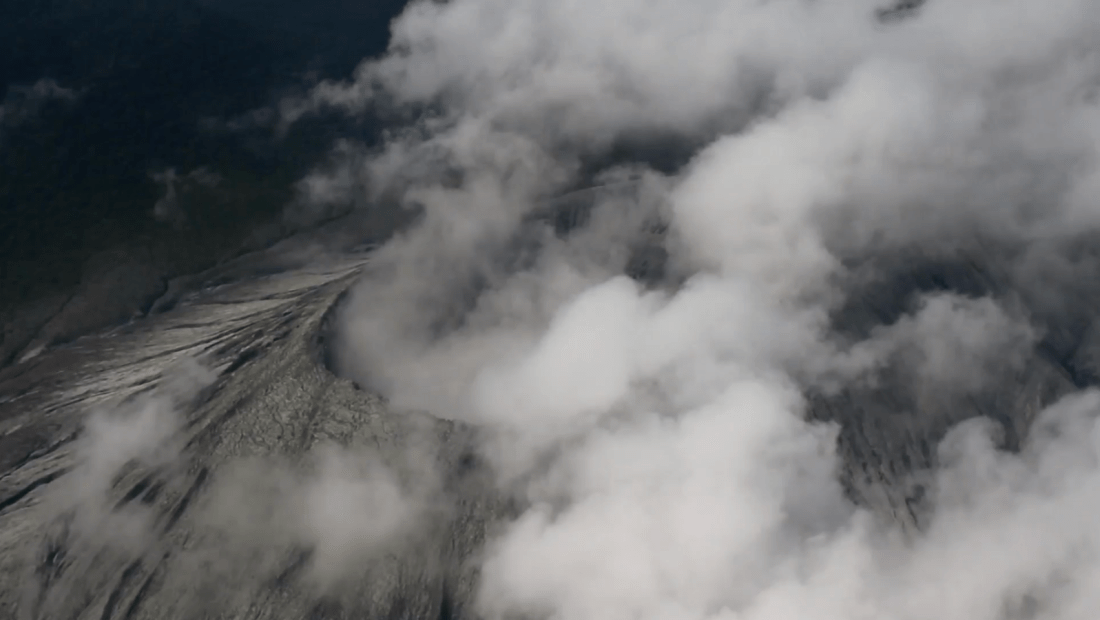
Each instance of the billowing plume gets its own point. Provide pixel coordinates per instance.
(778, 162)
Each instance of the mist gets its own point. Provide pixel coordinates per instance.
(659, 426)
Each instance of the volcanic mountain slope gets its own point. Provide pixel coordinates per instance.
(202, 461)
(125, 529)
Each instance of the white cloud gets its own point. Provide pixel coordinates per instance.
(661, 435)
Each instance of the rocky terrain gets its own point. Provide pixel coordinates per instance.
(271, 398)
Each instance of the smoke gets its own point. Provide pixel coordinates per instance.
(656, 422)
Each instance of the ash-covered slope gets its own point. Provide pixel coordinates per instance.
(117, 525)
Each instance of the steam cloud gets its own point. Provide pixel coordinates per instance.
(340, 507)
(345, 509)
(659, 427)
(140, 431)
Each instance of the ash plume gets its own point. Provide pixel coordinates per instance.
(861, 226)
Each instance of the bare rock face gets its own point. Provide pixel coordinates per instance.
(207, 507)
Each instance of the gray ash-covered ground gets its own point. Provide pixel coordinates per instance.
(270, 397)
